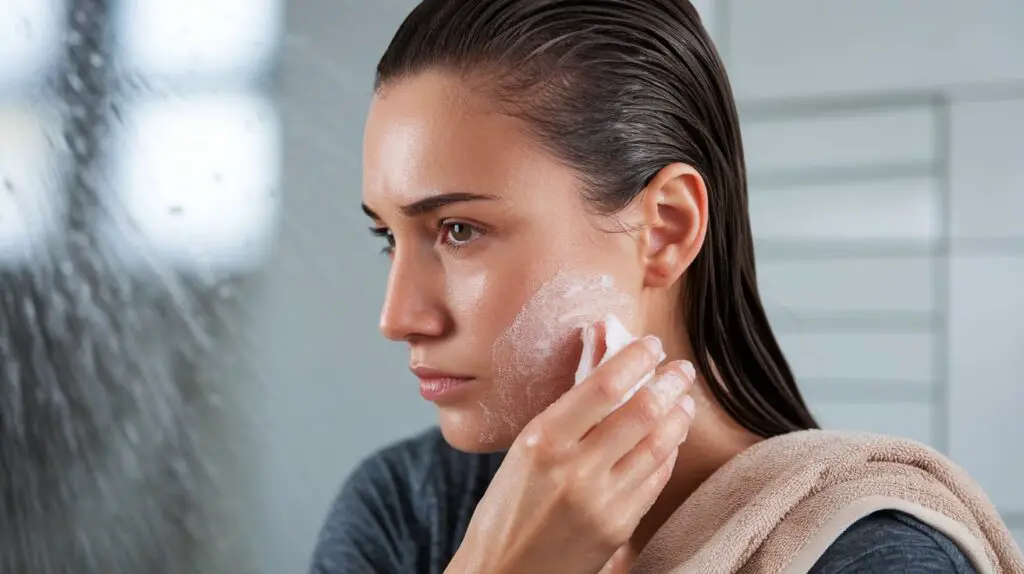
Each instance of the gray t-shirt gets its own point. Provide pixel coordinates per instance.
(406, 509)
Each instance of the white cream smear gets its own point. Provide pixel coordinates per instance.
(551, 319)
(539, 349)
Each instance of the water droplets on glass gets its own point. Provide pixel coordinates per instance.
(125, 217)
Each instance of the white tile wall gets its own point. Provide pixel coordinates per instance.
(787, 48)
(986, 368)
(849, 139)
(910, 420)
(820, 181)
(987, 169)
(888, 357)
(896, 209)
(795, 288)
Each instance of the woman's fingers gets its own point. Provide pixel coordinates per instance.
(623, 430)
(574, 414)
(636, 469)
(639, 500)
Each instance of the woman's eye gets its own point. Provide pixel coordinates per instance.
(460, 232)
(457, 235)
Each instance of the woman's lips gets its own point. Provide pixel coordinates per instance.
(436, 385)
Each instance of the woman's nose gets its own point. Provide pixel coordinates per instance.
(411, 307)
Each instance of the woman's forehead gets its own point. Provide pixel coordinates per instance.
(417, 146)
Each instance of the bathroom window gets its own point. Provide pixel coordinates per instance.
(195, 155)
(30, 202)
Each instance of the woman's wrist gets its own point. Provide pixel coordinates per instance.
(470, 559)
(465, 563)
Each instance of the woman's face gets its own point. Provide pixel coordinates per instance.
(496, 262)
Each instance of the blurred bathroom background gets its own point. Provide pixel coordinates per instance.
(221, 141)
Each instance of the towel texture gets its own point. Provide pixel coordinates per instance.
(600, 343)
(778, 506)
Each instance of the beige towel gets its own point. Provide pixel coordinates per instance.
(778, 506)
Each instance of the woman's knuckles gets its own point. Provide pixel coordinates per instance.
(541, 447)
(649, 409)
(610, 388)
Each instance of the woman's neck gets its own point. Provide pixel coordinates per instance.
(714, 439)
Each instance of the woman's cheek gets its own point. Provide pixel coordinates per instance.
(467, 291)
(535, 357)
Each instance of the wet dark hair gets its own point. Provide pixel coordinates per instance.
(619, 89)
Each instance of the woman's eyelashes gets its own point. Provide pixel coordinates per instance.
(385, 233)
(451, 235)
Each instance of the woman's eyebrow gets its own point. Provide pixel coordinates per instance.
(433, 203)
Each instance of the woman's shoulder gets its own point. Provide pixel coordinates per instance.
(891, 541)
(403, 505)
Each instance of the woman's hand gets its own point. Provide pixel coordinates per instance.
(579, 478)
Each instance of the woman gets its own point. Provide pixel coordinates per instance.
(534, 165)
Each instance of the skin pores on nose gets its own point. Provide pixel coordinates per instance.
(534, 359)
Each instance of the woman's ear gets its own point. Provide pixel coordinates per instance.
(674, 209)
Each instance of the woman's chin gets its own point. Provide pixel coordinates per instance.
(472, 433)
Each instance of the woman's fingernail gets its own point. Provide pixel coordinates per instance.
(667, 387)
(689, 371)
(654, 344)
(689, 405)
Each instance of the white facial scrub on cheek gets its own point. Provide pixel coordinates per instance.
(539, 351)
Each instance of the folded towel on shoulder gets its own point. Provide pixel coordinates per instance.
(776, 507)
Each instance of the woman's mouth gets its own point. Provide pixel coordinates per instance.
(439, 386)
